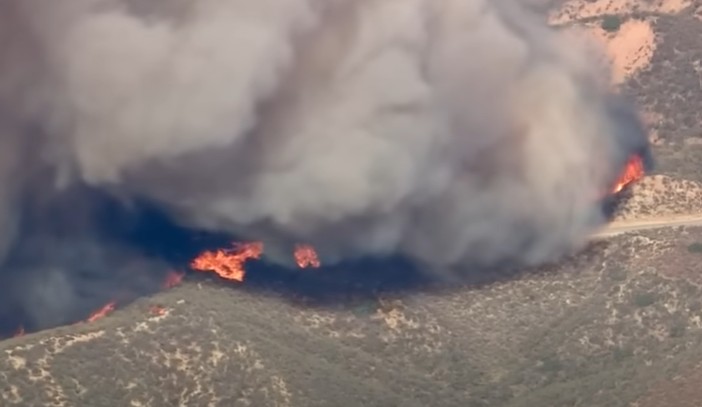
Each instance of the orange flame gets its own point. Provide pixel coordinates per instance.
(157, 310)
(173, 279)
(19, 332)
(306, 256)
(633, 171)
(102, 312)
(228, 263)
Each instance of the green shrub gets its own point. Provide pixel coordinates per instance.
(618, 274)
(551, 364)
(695, 247)
(678, 329)
(365, 308)
(611, 23)
(621, 354)
(644, 299)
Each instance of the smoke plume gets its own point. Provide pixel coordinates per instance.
(446, 131)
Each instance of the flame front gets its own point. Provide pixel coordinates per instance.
(157, 310)
(173, 279)
(633, 171)
(19, 331)
(102, 312)
(228, 263)
(306, 256)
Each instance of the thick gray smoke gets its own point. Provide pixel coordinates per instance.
(449, 131)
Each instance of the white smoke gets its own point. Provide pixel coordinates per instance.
(449, 131)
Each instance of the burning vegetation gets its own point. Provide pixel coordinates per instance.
(229, 263)
(391, 141)
(226, 263)
(306, 256)
(633, 171)
(102, 312)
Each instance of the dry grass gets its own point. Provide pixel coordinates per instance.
(598, 329)
(617, 325)
(575, 10)
(661, 196)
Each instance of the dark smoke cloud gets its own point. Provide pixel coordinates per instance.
(448, 131)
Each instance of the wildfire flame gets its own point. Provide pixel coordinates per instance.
(157, 310)
(633, 171)
(19, 332)
(306, 256)
(173, 279)
(228, 263)
(102, 312)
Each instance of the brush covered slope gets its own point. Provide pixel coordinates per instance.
(617, 325)
(609, 327)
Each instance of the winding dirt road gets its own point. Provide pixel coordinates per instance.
(618, 228)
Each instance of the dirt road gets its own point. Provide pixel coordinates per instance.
(617, 228)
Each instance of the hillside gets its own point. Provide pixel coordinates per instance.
(660, 196)
(619, 324)
(605, 328)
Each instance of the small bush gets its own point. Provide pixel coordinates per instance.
(611, 23)
(695, 247)
(644, 299)
(621, 354)
(551, 364)
(678, 329)
(366, 308)
(618, 274)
